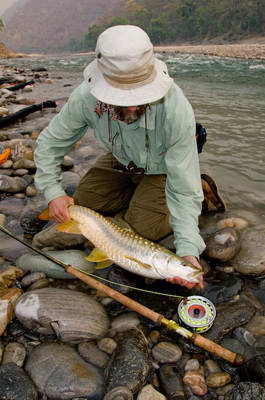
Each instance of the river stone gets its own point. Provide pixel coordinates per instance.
(148, 392)
(254, 370)
(32, 278)
(37, 263)
(229, 316)
(246, 391)
(170, 378)
(125, 322)
(60, 373)
(251, 259)
(24, 164)
(223, 291)
(130, 364)
(222, 245)
(166, 352)
(9, 184)
(11, 249)
(74, 316)
(12, 206)
(91, 353)
(15, 384)
(14, 353)
(256, 325)
(61, 240)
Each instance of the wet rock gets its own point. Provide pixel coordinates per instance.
(67, 163)
(108, 345)
(218, 379)
(40, 284)
(256, 325)
(51, 237)
(29, 220)
(38, 263)
(125, 322)
(251, 259)
(23, 163)
(32, 278)
(234, 345)
(233, 222)
(15, 384)
(225, 290)
(229, 317)
(171, 382)
(254, 370)
(14, 353)
(60, 373)
(195, 380)
(149, 392)
(192, 365)
(91, 353)
(70, 181)
(130, 364)
(9, 184)
(211, 367)
(21, 172)
(166, 352)
(222, 245)
(246, 391)
(222, 391)
(11, 206)
(119, 393)
(31, 191)
(74, 316)
(6, 165)
(244, 336)
(11, 249)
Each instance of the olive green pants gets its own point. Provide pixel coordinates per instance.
(139, 198)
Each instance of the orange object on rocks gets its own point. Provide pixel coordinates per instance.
(5, 155)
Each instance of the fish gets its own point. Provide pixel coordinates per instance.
(124, 247)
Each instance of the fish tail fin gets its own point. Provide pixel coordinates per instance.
(44, 215)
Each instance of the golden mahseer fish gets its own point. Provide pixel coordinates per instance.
(114, 244)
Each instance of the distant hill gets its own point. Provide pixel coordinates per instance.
(48, 26)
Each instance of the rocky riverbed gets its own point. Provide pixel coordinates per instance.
(61, 339)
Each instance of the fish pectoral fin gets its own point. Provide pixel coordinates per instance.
(97, 255)
(44, 215)
(69, 227)
(147, 266)
(104, 264)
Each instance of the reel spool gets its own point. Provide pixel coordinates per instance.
(196, 313)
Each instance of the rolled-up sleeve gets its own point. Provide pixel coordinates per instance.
(56, 140)
(183, 186)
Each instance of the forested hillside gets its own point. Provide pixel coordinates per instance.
(50, 25)
(184, 20)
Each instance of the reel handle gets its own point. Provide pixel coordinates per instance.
(212, 347)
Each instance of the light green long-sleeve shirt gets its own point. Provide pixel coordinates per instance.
(162, 141)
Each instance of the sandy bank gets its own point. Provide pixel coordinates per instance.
(242, 50)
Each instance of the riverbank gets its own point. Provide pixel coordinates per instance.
(249, 51)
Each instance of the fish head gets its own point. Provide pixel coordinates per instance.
(179, 268)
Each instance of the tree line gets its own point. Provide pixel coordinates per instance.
(173, 21)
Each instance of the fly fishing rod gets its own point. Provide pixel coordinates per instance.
(159, 319)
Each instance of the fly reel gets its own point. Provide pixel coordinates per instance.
(196, 313)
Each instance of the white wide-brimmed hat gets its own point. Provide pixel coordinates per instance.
(125, 71)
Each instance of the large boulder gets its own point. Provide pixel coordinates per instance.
(74, 316)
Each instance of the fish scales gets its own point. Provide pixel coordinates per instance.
(130, 250)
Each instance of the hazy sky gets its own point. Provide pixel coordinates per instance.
(4, 4)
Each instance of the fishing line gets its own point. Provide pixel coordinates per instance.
(63, 265)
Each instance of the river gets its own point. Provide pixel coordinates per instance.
(228, 97)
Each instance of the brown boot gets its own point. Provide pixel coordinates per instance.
(212, 202)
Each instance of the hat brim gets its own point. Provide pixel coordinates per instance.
(148, 93)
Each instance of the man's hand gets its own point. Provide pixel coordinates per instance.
(58, 208)
(192, 260)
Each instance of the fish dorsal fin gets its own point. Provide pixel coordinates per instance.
(69, 227)
(97, 255)
(147, 266)
(120, 223)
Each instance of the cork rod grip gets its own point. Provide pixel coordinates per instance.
(216, 349)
